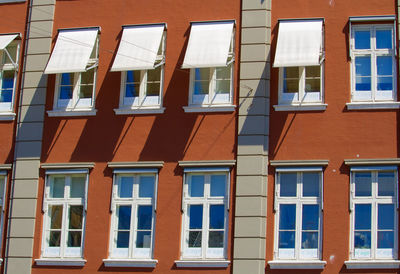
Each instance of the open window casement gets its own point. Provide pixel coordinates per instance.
(10, 56)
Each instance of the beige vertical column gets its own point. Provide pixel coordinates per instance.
(31, 111)
(253, 131)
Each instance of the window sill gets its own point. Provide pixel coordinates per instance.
(60, 262)
(301, 107)
(143, 110)
(293, 264)
(372, 105)
(7, 116)
(203, 263)
(372, 264)
(210, 108)
(130, 263)
(72, 112)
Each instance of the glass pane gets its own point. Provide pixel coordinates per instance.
(75, 217)
(55, 237)
(133, 76)
(384, 83)
(217, 185)
(153, 89)
(201, 87)
(385, 239)
(362, 39)
(363, 183)
(6, 96)
(77, 189)
(385, 216)
(223, 86)
(12, 50)
(66, 92)
(310, 217)
(288, 184)
(384, 65)
(216, 239)
(363, 216)
(287, 216)
(223, 73)
(57, 187)
(291, 72)
(74, 238)
(87, 77)
(124, 217)
(313, 72)
(309, 240)
(145, 214)
(386, 183)
(194, 238)
(195, 216)
(154, 75)
(311, 184)
(123, 239)
(143, 239)
(202, 74)
(196, 186)
(132, 90)
(290, 86)
(8, 79)
(363, 83)
(286, 239)
(362, 239)
(363, 66)
(146, 186)
(383, 39)
(67, 79)
(217, 216)
(86, 91)
(56, 212)
(313, 85)
(125, 187)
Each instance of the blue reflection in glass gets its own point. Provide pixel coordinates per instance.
(384, 65)
(286, 239)
(124, 217)
(67, 79)
(146, 186)
(385, 216)
(362, 39)
(385, 239)
(218, 185)
(123, 239)
(6, 96)
(145, 214)
(383, 39)
(197, 85)
(287, 216)
(288, 184)
(386, 184)
(384, 83)
(362, 239)
(363, 66)
(8, 81)
(310, 217)
(217, 213)
(130, 88)
(196, 216)
(65, 92)
(196, 186)
(125, 187)
(311, 184)
(363, 216)
(363, 183)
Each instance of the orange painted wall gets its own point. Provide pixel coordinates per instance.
(168, 137)
(334, 134)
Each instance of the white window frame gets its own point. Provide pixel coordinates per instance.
(63, 252)
(7, 107)
(299, 201)
(373, 200)
(140, 255)
(204, 253)
(372, 96)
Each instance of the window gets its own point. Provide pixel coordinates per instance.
(298, 219)
(374, 220)
(210, 57)
(373, 63)
(64, 209)
(74, 60)
(9, 49)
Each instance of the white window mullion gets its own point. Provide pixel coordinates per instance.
(302, 81)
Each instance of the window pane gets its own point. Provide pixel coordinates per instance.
(7, 86)
(146, 186)
(290, 86)
(201, 87)
(74, 238)
(386, 183)
(66, 92)
(384, 65)
(385, 216)
(313, 72)
(56, 212)
(201, 74)
(217, 214)
(75, 217)
(286, 239)
(216, 239)
(154, 75)
(363, 183)
(133, 76)
(363, 73)
(145, 214)
(86, 91)
(385, 239)
(153, 89)
(291, 72)
(224, 72)
(55, 237)
(132, 90)
(310, 217)
(383, 39)
(223, 86)
(363, 216)
(287, 216)
(125, 187)
(123, 239)
(288, 184)
(313, 85)
(384, 83)
(194, 238)
(57, 187)
(362, 239)
(143, 239)
(195, 217)
(196, 186)
(309, 240)
(311, 184)
(124, 217)
(218, 185)
(362, 39)
(87, 77)
(67, 79)
(12, 50)
(201, 82)
(77, 189)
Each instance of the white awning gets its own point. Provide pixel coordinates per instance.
(138, 48)
(72, 50)
(209, 44)
(6, 39)
(299, 43)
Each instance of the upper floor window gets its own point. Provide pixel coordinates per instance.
(299, 56)
(141, 58)
(74, 60)
(210, 56)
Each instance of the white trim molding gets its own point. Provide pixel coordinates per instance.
(372, 264)
(301, 107)
(129, 111)
(372, 105)
(293, 264)
(67, 165)
(150, 263)
(207, 163)
(143, 164)
(387, 161)
(5, 167)
(60, 262)
(299, 162)
(211, 108)
(61, 113)
(203, 263)
(7, 116)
